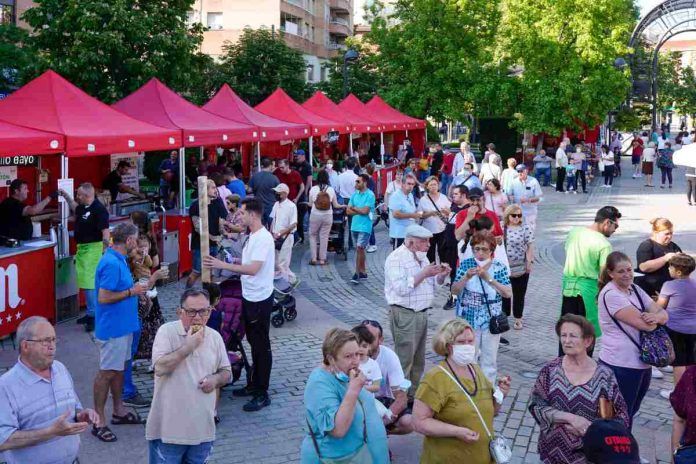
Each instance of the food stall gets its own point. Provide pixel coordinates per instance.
(155, 103)
(84, 128)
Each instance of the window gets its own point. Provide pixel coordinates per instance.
(215, 21)
(7, 13)
(191, 18)
(310, 73)
(324, 73)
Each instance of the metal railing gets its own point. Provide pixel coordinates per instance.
(341, 21)
(336, 46)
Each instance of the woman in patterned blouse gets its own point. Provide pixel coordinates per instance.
(482, 282)
(518, 238)
(565, 398)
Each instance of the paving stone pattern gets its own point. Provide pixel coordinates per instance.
(274, 434)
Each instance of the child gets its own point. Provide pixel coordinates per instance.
(370, 368)
(570, 178)
(215, 323)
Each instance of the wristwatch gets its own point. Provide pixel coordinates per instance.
(490, 281)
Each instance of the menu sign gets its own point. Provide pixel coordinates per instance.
(19, 160)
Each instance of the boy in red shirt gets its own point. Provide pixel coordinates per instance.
(475, 211)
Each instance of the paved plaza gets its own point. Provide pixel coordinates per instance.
(326, 299)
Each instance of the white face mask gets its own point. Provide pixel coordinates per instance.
(463, 354)
(329, 166)
(466, 172)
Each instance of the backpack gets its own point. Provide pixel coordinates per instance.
(323, 200)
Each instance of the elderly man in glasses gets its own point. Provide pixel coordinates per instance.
(41, 416)
(190, 363)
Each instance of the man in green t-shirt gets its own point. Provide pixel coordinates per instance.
(586, 250)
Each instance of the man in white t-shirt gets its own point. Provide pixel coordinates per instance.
(256, 269)
(283, 224)
(393, 392)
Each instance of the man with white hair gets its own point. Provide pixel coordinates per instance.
(561, 163)
(283, 224)
(409, 288)
(41, 416)
(464, 156)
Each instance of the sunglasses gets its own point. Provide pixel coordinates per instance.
(516, 215)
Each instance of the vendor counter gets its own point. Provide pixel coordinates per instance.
(27, 283)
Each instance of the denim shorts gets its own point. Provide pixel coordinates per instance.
(114, 352)
(167, 453)
(361, 239)
(196, 258)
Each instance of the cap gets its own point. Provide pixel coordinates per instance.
(299, 151)
(414, 230)
(474, 193)
(608, 441)
(282, 188)
(521, 167)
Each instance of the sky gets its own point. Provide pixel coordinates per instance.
(647, 5)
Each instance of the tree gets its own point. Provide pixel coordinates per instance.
(433, 53)
(109, 49)
(364, 78)
(567, 50)
(17, 60)
(260, 62)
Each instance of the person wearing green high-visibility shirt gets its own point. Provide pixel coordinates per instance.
(586, 251)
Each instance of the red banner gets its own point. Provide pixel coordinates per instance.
(27, 288)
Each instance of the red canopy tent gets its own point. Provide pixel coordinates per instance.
(320, 104)
(279, 105)
(228, 105)
(156, 103)
(381, 108)
(53, 104)
(18, 140)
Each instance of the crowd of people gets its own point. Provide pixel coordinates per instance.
(454, 224)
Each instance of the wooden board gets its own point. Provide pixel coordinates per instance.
(204, 232)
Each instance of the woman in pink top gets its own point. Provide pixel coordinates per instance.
(494, 199)
(625, 310)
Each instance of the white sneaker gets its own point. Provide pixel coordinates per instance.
(371, 249)
(667, 369)
(567, 192)
(657, 373)
(644, 461)
(665, 393)
(575, 192)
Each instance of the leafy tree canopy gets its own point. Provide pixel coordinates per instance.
(17, 61)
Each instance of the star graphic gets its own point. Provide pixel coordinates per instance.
(18, 316)
(9, 318)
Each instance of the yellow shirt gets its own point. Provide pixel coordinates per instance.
(451, 406)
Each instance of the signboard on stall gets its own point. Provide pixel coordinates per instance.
(132, 178)
(7, 175)
(19, 160)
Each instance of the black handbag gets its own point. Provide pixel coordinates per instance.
(279, 242)
(498, 324)
(449, 240)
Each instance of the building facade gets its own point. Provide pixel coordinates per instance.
(316, 28)
(11, 11)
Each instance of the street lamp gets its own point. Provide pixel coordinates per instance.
(350, 56)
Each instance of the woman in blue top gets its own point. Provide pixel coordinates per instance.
(665, 163)
(341, 415)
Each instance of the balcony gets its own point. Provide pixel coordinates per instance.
(340, 30)
(336, 46)
(339, 20)
(341, 5)
(301, 4)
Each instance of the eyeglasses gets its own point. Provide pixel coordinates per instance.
(196, 312)
(614, 223)
(484, 249)
(44, 341)
(516, 215)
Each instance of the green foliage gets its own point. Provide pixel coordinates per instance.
(364, 78)
(432, 53)
(668, 78)
(628, 119)
(16, 59)
(111, 48)
(260, 62)
(567, 49)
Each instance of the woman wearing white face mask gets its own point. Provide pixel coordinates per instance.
(341, 417)
(453, 430)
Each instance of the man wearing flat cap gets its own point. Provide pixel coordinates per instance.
(409, 287)
(527, 193)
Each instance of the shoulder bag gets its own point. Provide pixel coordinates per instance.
(361, 456)
(655, 347)
(497, 446)
(450, 241)
(498, 324)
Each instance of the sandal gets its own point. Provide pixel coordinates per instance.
(322, 263)
(129, 419)
(104, 434)
(313, 263)
(518, 324)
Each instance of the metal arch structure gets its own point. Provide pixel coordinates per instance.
(666, 20)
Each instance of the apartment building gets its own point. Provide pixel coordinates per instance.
(11, 10)
(316, 28)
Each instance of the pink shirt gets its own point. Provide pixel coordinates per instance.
(617, 349)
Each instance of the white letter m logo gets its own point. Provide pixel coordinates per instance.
(9, 288)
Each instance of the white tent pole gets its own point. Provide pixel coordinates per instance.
(64, 246)
(182, 180)
(350, 144)
(406, 133)
(311, 149)
(381, 146)
(258, 155)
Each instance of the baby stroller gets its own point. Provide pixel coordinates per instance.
(337, 235)
(231, 327)
(284, 308)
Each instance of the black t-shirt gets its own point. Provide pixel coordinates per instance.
(90, 221)
(13, 223)
(437, 163)
(216, 211)
(648, 250)
(305, 170)
(111, 183)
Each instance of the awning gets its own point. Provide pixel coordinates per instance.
(51, 103)
(383, 111)
(321, 105)
(18, 140)
(279, 105)
(156, 103)
(228, 105)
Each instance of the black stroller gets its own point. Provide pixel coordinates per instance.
(337, 235)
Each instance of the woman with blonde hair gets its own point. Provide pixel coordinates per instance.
(653, 256)
(436, 213)
(518, 238)
(508, 176)
(455, 402)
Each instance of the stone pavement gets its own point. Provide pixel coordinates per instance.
(326, 299)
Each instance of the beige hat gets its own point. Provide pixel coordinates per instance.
(282, 188)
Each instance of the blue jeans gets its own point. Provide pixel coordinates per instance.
(91, 300)
(422, 175)
(570, 182)
(545, 174)
(373, 239)
(129, 389)
(633, 385)
(165, 453)
(445, 182)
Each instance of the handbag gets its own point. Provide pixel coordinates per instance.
(685, 455)
(450, 241)
(655, 347)
(497, 446)
(360, 456)
(279, 242)
(498, 324)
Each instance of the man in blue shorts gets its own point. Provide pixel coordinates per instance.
(361, 208)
